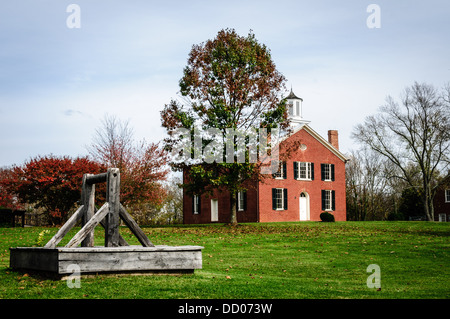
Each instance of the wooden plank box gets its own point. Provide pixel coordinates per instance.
(59, 261)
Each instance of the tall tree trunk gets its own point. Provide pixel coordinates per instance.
(233, 215)
(428, 200)
(431, 208)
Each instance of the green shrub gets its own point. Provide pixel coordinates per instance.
(326, 217)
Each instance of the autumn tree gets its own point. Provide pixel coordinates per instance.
(8, 199)
(413, 133)
(50, 182)
(142, 165)
(229, 83)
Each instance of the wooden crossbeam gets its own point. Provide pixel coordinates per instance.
(108, 215)
(65, 228)
(89, 226)
(134, 227)
(99, 178)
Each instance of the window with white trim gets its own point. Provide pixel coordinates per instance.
(328, 200)
(240, 201)
(304, 170)
(327, 172)
(281, 173)
(279, 199)
(196, 204)
(447, 195)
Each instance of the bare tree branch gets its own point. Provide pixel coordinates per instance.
(418, 133)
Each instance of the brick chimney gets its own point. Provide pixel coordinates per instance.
(333, 138)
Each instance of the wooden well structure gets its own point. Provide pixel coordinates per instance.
(116, 256)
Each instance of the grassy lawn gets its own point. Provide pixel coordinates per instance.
(274, 260)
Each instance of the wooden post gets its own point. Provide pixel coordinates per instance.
(88, 201)
(134, 227)
(90, 225)
(113, 198)
(108, 216)
(23, 219)
(65, 228)
(122, 241)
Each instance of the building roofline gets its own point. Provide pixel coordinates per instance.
(319, 138)
(293, 96)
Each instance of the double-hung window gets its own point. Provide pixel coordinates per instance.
(447, 195)
(328, 200)
(196, 204)
(304, 171)
(241, 201)
(279, 199)
(281, 173)
(327, 172)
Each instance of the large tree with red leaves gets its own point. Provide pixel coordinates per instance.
(229, 83)
(8, 199)
(49, 182)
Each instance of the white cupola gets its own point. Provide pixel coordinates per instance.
(295, 110)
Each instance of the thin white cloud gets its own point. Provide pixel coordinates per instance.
(72, 112)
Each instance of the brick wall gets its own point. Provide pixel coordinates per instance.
(259, 197)
(333, 138)
(250, 214)
(440, 206)
(316, 153)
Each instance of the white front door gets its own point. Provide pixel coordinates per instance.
(214, 210)
(303, 207)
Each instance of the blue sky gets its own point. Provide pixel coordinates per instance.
(57, 83)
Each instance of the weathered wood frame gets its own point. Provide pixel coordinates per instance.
(90, 260)
(108, 215)
(117, 255)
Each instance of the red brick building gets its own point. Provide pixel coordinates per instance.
(442, 204)
(310, 182)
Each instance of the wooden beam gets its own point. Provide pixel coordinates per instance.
(122, 241)
(113, 198)
(90, 225)
(99, 178)
(88, 200)
(131, 259)
(134, 227)
(65, 228)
